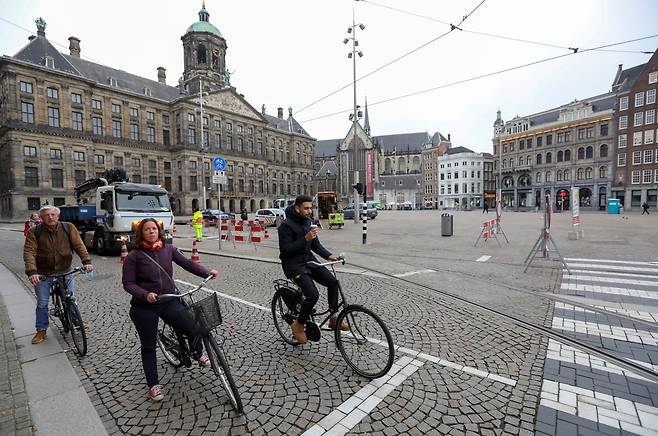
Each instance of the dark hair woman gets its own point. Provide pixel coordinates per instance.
(147, 273)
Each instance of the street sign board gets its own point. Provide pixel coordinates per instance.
(220, 178)
(219, 163)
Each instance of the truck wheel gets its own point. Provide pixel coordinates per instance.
(99, 244)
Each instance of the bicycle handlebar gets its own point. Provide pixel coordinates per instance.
(334, 262)
(166, 297)
(76, 270)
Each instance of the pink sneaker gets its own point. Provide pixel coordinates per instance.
(204, 360)
(156, 393)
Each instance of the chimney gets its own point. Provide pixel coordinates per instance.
(448, 137)
(74, 46)
(279, 112)
(31, 37)
(262, 109)
(162, 77)
(289, 111)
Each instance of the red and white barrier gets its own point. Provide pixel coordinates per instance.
(239, 232)
(224, 230)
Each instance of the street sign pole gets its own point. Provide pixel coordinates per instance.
(219, 223)
(219, 163)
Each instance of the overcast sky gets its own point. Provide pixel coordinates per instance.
(290, 53)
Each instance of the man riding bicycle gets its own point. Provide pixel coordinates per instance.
(48, 251)
(297, 238)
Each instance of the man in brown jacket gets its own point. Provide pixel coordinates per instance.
(51, 254)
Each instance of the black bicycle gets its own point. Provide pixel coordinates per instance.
(66, 309)
(177, 349)
(367, 347)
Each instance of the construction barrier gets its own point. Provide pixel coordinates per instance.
(195, 252)
(224, 229)
(336, 219)
(487, 231)
(256, 234)
(124, 251)
(238, 234)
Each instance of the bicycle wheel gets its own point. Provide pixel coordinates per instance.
(60, 313)
(168, 344)
(222, 371)
(77, 328)
(368, 347)
(283, 318)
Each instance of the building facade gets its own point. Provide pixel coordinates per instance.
(636, 162)
(553, 151)
(460, 175)
(64, 119)
(489, 180)
(429, 182)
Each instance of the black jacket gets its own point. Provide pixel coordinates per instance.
(294, 250)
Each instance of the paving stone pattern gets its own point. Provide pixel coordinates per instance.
(288, 390)
(15, 416)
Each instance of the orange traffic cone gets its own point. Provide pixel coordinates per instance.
(124, 251)
(195, 252)
(207, 223)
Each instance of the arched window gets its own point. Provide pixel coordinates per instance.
(539, 159)
(524, 180)
(538, 178)
(588, 173)
(549, 157)
(580, 174)
(589, 153)
(201, 54)
(567, 155)
(508, 182)
(560, 156)
(603, 172)
(603, 150)
(548, 176)
(528, 160)
(559, 175)
(567, 174)
(581, 153)
(520, 160)
(511, 162)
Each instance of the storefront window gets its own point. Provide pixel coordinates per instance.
(636, 195)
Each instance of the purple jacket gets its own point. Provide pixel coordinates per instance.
(141, 275)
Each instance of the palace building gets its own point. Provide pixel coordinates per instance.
(64, 119)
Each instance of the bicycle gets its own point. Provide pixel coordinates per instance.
(177, 350)
(66, 309)
(367, 335)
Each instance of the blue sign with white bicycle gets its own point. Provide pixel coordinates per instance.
(219, 163)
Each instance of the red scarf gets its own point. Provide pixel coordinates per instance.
(155, 246)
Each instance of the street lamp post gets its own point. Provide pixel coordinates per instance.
(351, 30)
(202, 150)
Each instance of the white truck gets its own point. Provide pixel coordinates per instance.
(117, 208)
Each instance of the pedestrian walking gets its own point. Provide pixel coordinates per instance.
(244, 215)
(645, 208)
(485, 209)
(33, 221)
(197, 223)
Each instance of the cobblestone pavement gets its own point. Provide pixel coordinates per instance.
(478, 374)
(14, 409)
(457, 371)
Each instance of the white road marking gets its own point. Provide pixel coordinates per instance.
(483, 258)
(612, 290)
(625, 262)
(228, 297)
(347, 415)
(593, 278)
(411, 273)
(585, 272)
(621, 268)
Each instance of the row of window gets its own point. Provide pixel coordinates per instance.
(561, 156)
(456, 175)
(455, 189)
(456, 164)
(639, 119)
(639, 138)
(561, 137)
(585, 173)
(639, 99)
(639, 158)
(191, 119)
(645, 176)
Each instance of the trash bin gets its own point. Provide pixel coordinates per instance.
(446, 224)
(614, 205)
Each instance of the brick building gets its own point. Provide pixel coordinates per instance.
(64, 119)
(636, 162)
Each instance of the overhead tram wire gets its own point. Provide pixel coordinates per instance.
(51, 41)
(452, 28)
(482, 76)
(492, 35)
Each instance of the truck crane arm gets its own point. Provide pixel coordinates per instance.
(108, 176)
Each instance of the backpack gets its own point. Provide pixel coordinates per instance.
(66, 225)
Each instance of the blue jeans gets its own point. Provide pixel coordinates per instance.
(42, 290)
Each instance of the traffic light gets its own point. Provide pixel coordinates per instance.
(358, 187)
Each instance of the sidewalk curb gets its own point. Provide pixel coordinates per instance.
(56, 396)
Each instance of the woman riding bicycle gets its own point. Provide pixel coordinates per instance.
(144, 278)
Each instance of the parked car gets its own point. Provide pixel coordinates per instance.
(212, 215)
(270, 215)
(348, 211)
(407, 205)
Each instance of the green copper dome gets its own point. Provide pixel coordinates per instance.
(203, 25)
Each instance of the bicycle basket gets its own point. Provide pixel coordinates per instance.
(206, 313)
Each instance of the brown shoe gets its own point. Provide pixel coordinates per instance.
(39, 337)
(343, 325)
(85, 324)
(298, 332)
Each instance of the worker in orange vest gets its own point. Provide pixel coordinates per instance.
(197, 223)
